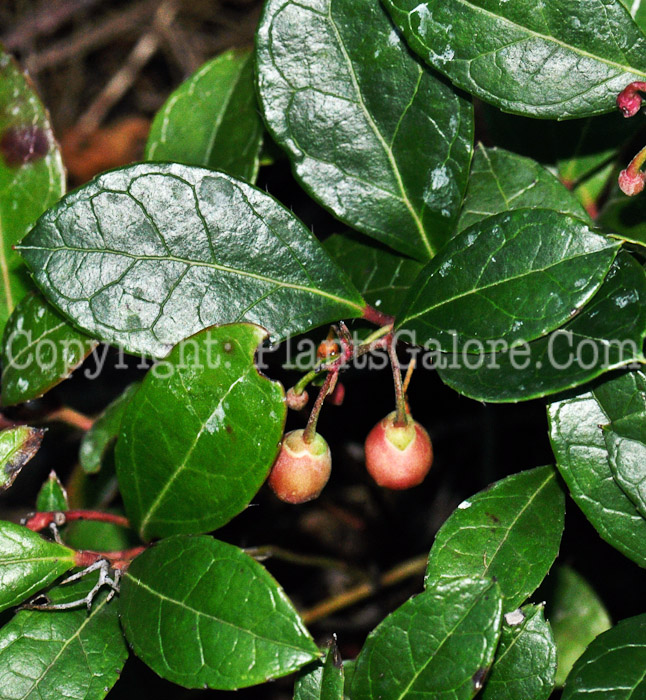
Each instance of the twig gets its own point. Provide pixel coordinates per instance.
(123, 79)
(41, 521)
(73, 47)
(269, 551)
(72, 417)
(407, 569)
(45, 20)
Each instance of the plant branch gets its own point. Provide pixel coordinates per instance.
(271, 552)
(377, 317)
(72, 417)
(407, 569)
(119, 559)
(401, 418)
(41, 521)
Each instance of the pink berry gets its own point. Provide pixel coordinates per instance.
(398, 457)
(302, 468)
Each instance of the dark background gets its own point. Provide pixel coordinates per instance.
(103, 68)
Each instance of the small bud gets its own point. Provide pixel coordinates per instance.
(297, 402)
(338, 395)
(629, 103)
(398, 457)
(302, 468)
(631, 182)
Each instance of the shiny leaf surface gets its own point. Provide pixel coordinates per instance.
(582, 458)
(202, 613)
(570, 59)
(484, 284)
(372, 134)
(150, 254)
(40, 349)
(510, 532)
(439, 644)
(199, 437)
(212, 119)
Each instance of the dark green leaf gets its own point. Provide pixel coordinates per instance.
(199, 437)
(626, 444)
(322, 680)
(607, 334)
(348, 672)
(439, 644)
(503, 181)
(150, 254)
(511, 532)
(32, 176)
(39, 350)
(525, 662)
(98, 536)
(382, 277)
(484, 284)
(17, 447)
(568, 58)
(100, 437)
(52, 495)
(69, 654)
(202, 613)
(582, 458)
(577, 616)
(212, 119)
(612, 666)
(372, 134)
(28, 563)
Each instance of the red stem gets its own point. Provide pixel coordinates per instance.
(377, 317)
(40, 521)
(118, 560)
(401, 419)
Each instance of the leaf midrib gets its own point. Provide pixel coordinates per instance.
(68, 641)
(422, 668)
(200, 263)
(386, 147)
(513, 278)
(548, 38)
(201, 613)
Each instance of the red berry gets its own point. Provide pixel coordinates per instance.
(302, 469)
(631, 182)
(398, 457)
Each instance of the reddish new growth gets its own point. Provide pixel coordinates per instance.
(629, 100)
(632, 179)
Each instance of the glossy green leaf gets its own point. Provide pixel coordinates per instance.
(202, 613)
(607, 334)
(626, 444)
(98, 536)
(484, 284)
(32, 176)
(503, 181)
(322, 680)
(150, 254)
(212, 119)
(100, 437)
(382, 277)
(52, 495)
(510, 532)
(577, 616)
(525, 662)
(372, 134)
(17, 446)
(570, 59)
(612, 666)
(582, 458)
(198, 439)
(28, 563)
(439, 644)
(40, 349)
(69, 654)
